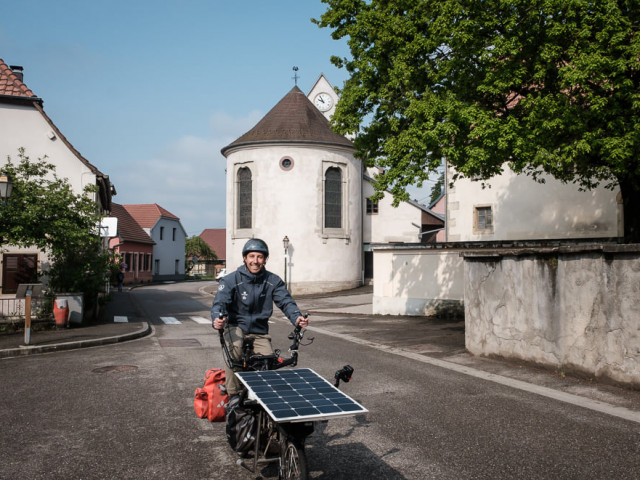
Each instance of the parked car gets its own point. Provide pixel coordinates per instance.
(221, 273)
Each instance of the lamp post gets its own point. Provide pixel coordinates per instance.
(285, 244)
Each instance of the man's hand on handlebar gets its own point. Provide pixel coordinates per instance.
(303, 321)
(219, 323)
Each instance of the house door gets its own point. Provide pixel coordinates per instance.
(17, 269)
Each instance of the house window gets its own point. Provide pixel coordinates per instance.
(174, 234)
(156, 265)
(372, 207)
(177, 267)
(244, 198)
(161, 232)
(17, 269)
(333, 198)
(127, 261)
(483, 219)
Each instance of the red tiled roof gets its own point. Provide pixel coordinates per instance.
(293, 119)
(10, 84)
(216, 238)
(148, 214)
(128, 229)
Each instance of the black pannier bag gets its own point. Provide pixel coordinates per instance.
(241, 433)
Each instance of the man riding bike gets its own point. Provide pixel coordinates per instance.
(245, 298)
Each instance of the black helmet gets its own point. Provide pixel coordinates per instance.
(255, 245)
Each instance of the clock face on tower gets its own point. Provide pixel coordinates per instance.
(323, 102)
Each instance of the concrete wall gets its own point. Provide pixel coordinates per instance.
(571, 308)
(417, 280)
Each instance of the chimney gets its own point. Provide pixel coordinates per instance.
(17, 71)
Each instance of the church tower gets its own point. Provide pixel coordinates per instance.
(292, 176)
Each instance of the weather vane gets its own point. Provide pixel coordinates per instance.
(295, 75)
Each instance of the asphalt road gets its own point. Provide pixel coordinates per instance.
(125, 411)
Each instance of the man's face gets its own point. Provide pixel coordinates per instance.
(255, 261)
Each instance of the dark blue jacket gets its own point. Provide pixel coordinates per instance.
(248, 300)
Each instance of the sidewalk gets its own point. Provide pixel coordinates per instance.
(102, 333)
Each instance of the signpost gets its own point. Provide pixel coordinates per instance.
(26, 291)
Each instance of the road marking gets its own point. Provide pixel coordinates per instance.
(120, 319)
(201, 320)
(171, 320)
(584, 402)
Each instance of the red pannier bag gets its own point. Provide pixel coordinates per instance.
(211, 399)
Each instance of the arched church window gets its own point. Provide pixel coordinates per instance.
(244, 198)
(333, 198)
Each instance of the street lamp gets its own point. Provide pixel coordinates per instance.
(285, 244)
(6, 185)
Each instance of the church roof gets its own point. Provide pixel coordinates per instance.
(294, 119)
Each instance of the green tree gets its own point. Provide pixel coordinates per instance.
(547, 86)
(44, 212)
(438, 188)
(195, 246)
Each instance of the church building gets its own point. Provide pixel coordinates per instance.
(294, 183)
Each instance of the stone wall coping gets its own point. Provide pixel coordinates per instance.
(551, 250)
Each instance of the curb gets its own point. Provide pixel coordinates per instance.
(145, 329)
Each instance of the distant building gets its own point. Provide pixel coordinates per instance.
(134, 245)
(216, 238)
(169, 237)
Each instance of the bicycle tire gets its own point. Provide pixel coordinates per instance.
(293, 462)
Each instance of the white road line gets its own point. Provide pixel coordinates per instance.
(120, 319)
(201, 320)
(171, 320)
(584, 402)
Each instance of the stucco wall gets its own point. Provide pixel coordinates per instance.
(390, 224)
(168, 250)
(23, 126)
(572, 308)
(290, 203)
(417, 280)
(526, 210)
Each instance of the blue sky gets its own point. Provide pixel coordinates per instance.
(150, 91)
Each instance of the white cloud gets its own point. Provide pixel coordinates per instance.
(187, 175)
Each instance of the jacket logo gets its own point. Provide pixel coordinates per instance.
(244, 295)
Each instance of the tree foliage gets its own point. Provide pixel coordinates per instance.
(44, 212)
(196, 246)
(539, 85)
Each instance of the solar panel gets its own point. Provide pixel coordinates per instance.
(298, 395)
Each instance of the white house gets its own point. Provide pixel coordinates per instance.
(24, 124)
(515, 207)
(169, 236)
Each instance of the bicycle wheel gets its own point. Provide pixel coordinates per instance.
(293, 462)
